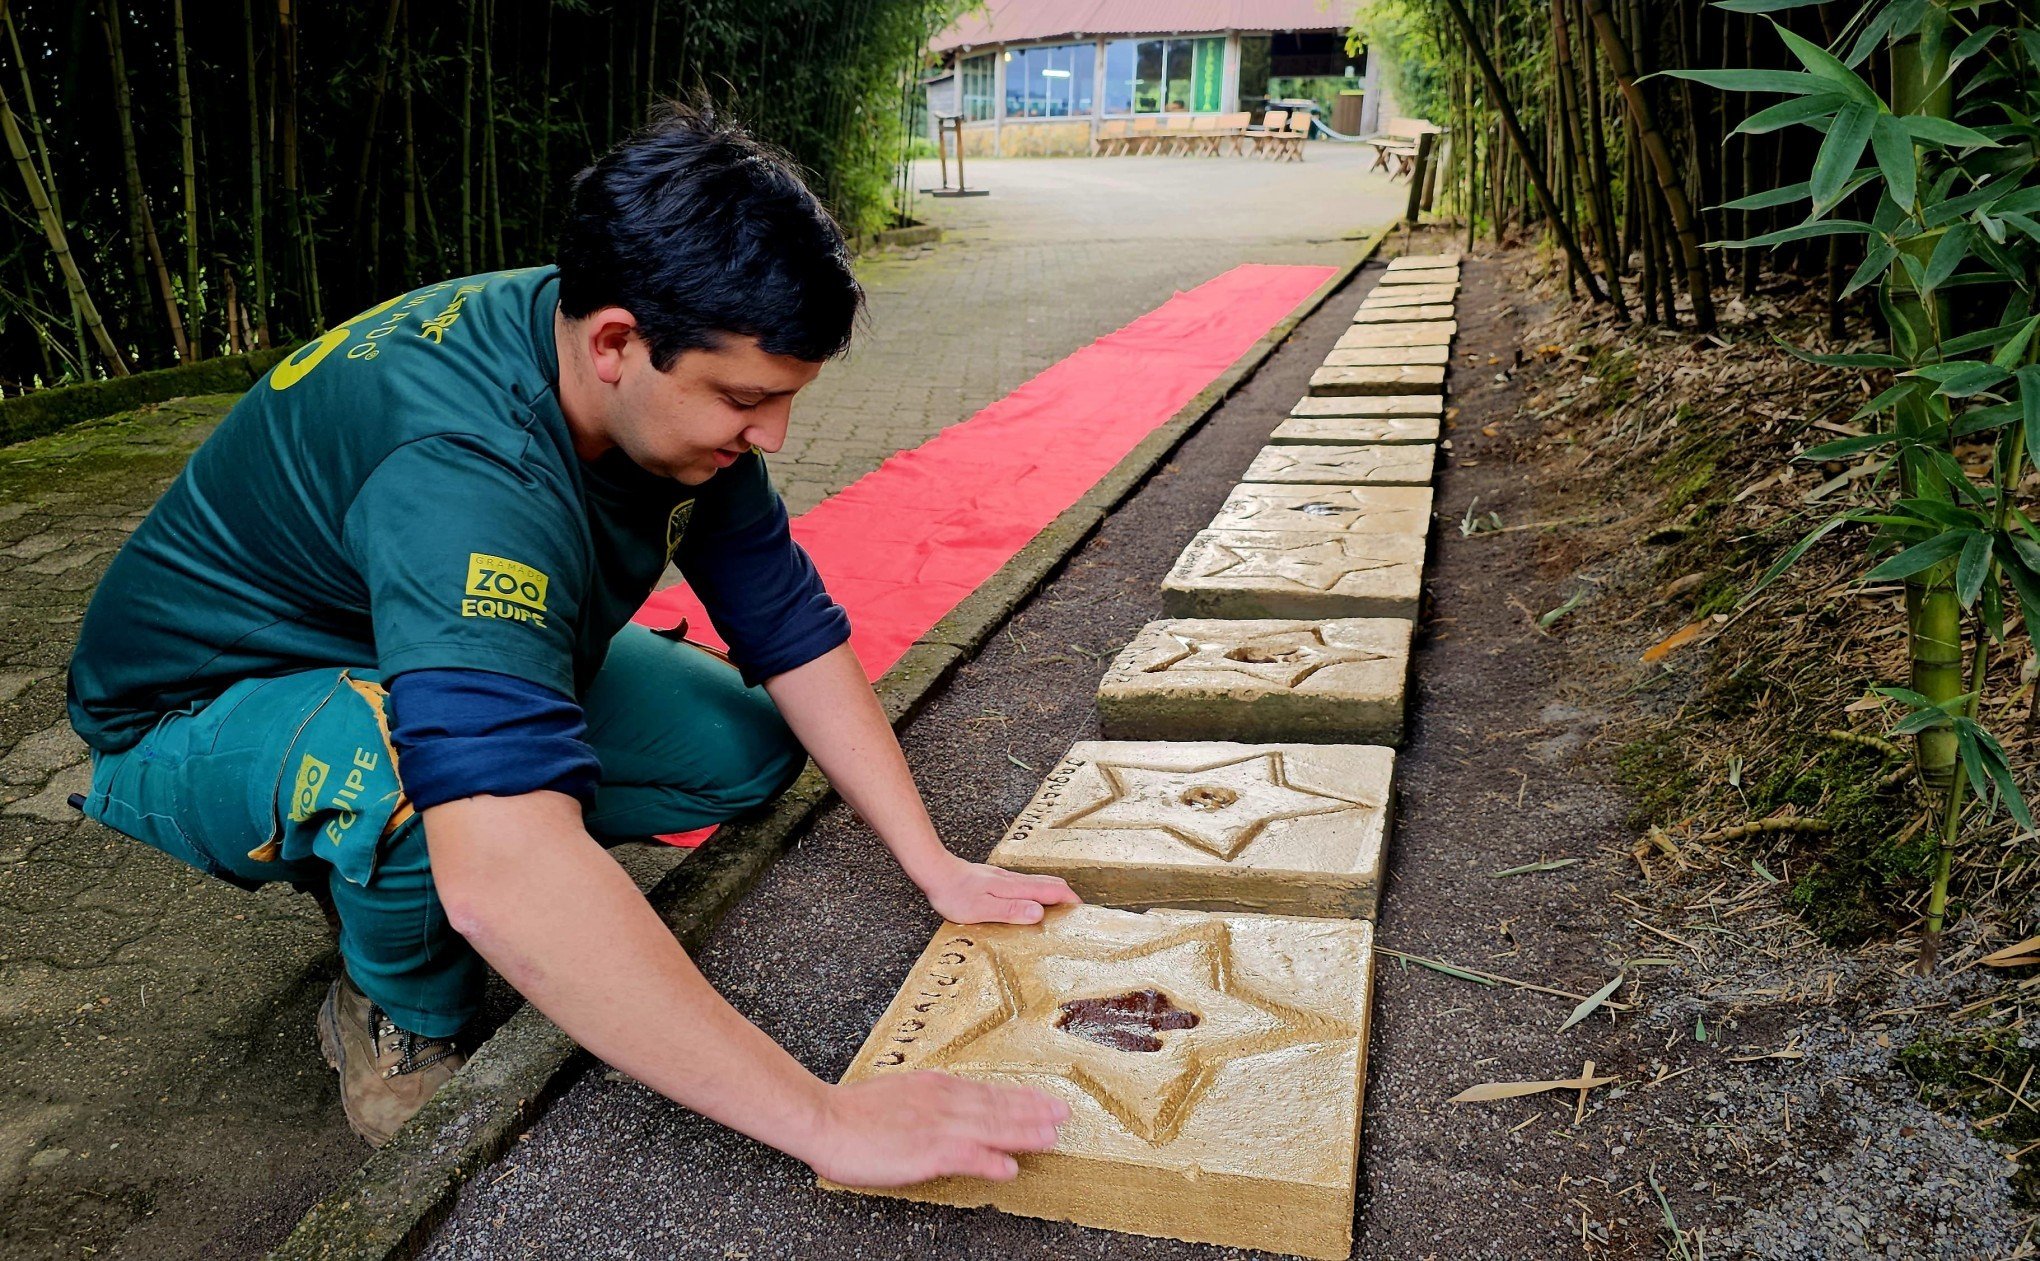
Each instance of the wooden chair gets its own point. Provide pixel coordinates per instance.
(1146, 135)
(1113, 137)
(1203, 140)
(1289, 141)
(1232, 133)
(1175, 134)
(1272, 123)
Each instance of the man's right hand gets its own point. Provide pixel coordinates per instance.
(909, 1127)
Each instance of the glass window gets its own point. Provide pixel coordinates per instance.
(977, 88)
(1050, 82)
(1119, 76)
(1153, 76)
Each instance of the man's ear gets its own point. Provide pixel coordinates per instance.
(608, 332)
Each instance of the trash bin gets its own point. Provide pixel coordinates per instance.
(1346, 113)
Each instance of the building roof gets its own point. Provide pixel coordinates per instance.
(1012, 21)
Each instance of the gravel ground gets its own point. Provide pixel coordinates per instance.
(1825, 1155)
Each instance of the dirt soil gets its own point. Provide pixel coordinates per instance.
(1758, 1110)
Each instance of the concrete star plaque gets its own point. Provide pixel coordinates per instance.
(1213, 1065)
(1259, 679)
(1295, 573)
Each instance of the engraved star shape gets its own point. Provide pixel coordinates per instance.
(1320, 565)
(1218, 809)
(1150, 1093)
(1285, 658)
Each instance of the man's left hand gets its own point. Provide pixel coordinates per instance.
(979, 893)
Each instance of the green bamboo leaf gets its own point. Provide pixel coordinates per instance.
(1972, 568)
(1840, 152)
(1790, 82)
(1920, 556)
(1824, 65)
(1592, 1003)
(2008, 787)
(1907, 697)
(1797, 550)
(2029, 410)
(1844, 447)
(1799, 232)
(1927, 719)
(1805, 109)
(1774, 197)
(1874, 32)
(1972, 380)
(1894, 151)
(1948, 254)
(2014, 349)
(1938, 512)
(2025, 582)
(1984, 419)
(1973, 45)
(1942, 131)
(1875, 261)
(1764, 6)
(1971, 758)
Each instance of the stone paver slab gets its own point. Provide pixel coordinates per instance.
(1412, 379)
(1370, 314)
(1369, 405)
(1404, 510)
(1374, 464)
(1263, 679)
(1422, 276)
(1419, 262)
(1388, 356)
(1213, 1065)
(1295, 573)
(1370, 336)
(1410, 295)
(1280, 828)
(1338, 430)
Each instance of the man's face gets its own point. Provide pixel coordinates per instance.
(702, 413)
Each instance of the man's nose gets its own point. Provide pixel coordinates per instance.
(768, 436)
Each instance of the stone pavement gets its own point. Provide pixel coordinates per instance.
(161, 1095)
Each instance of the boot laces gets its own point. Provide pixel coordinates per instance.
(408, 1046)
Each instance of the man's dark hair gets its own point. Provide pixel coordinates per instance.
(699, 229)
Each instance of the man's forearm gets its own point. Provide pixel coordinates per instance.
(832, 710)
(549, 909)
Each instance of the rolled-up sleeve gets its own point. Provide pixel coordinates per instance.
(762, 592)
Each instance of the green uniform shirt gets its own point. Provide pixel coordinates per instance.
(400, 494)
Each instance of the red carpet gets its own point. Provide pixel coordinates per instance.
(904, 544)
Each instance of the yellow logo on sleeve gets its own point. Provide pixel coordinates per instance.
(498, 587)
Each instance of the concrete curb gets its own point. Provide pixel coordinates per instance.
(387, 1208)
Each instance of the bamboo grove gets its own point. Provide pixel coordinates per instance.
(195, 177)
(1888, 152)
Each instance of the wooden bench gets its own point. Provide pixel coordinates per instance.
(1395, 145)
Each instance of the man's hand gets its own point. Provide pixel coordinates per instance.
(979, 893)
(910, 1127)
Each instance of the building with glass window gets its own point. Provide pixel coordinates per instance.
(1039, 76)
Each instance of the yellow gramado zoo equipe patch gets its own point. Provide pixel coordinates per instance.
(502, 588)
(304, 793)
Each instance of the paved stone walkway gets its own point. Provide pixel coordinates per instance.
(161, 1095)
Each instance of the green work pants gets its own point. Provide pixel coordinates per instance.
(294, 779)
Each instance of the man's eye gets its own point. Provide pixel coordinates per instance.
(742, 406)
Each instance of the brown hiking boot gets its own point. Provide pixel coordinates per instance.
(386, 1073)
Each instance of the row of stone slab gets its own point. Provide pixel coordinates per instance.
(1213, 1045)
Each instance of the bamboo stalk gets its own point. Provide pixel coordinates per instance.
(257, 313)
(193, 330)
(145, 242)
(1559, 226)
(53, 230)
(1623, 68)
